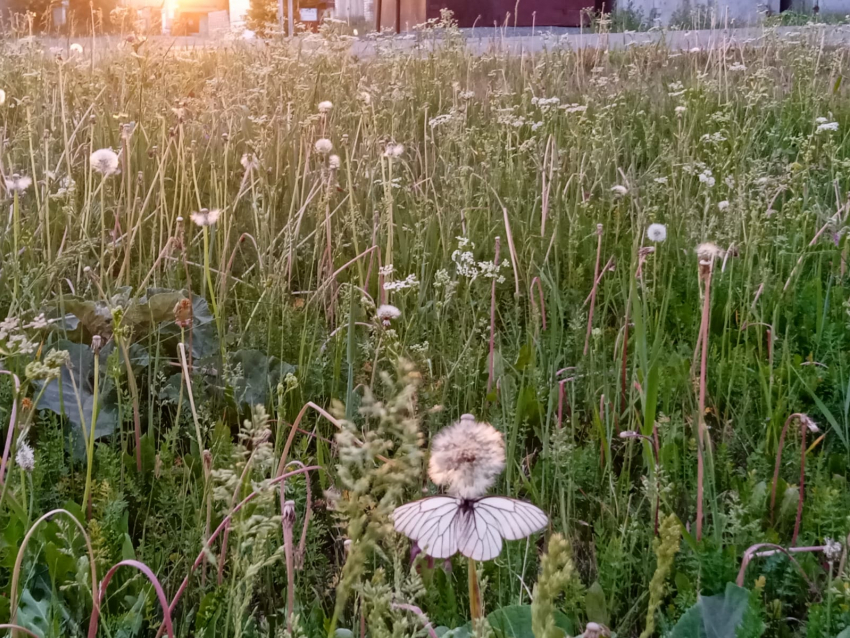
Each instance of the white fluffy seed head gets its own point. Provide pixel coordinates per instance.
(467, 457)
(324, 146)
(333, 162)
(326, 106)
(619, 189)
(104, 161)
(708, 251)
(656, 233)
(386, 313)
(205, 217)
(25, 456)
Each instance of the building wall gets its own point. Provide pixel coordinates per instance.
(412, 13)
(718, 12)
(825, 7)
(522, 13)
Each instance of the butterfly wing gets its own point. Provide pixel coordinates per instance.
(478, 535)
(514, 519)
(432, 523)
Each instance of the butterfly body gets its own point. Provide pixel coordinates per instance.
(444, 525)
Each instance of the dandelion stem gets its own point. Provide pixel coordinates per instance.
(90, 450)
(475, 606)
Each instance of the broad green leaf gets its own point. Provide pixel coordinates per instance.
(514, 621)
(716, 616)
(34, 614)
(595, 605)
(260, 376)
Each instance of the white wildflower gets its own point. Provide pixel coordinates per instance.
(2, 97)
(656, 233)
(39, 323)
(706, 178)
(324, 146)
(25, 457)
(737, 67)
(827, 126)
(104, 161)
(619, 190)
(721, 206)
(409, 282)
(326, 106)
(680, 110)
(467, 457)
(205, 217)
(660, 180)
(18, 183)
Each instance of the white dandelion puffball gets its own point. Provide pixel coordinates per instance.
(105, 161)
(656, 233)
(25, 457)
(386, 313)
(205, 217)
(18, 183)
(324, 146)
(619, 190)
(708, 251)
(2, 97)
(467, 457)
(326, 106)
(333, 162)
(394, 150)
(76, 48)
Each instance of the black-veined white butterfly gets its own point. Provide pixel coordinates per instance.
(445, 525)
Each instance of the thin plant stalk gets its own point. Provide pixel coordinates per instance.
(706, 269)
(476, 610)
(805, 424)
(492, 354)
(90, 447)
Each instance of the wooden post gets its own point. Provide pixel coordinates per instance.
(378, 8)
(397, 16)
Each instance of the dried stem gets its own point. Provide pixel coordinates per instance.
(706, 269)
(492, 356)
(805, 424)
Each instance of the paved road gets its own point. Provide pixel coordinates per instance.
(517, 40)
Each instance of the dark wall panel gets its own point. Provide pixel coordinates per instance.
(562, 13)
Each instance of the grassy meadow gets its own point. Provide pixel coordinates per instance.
(244, 285)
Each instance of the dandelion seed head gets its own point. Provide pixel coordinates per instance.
(620, 190)
(18, 183)
(249, 161)
(333, 162)
(466, 457)
(386, 313)
(394, 150)
(25, 456)
(832, 550)
(680, 110)
(709, 251)
(104, 161)
(76, 48)
(325, 106)
(205, 217)
(324, 146)
(2, 97)
(656, 233)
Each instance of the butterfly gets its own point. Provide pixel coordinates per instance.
(445, 525)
